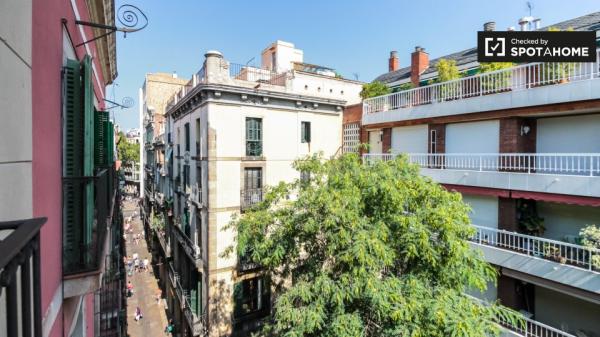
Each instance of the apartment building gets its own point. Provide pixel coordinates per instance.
(59, 205)
(232, 131)
(522, 146)
(157, 89)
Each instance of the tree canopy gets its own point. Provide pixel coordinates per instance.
(127, 152)
(374, 89)
(367, 250)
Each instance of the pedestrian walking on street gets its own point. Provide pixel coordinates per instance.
(146, 264)
(138, 314)
(169, 328)
(158, 296)
(129, 289)
(136, 265)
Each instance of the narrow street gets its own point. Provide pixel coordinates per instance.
(144, 283)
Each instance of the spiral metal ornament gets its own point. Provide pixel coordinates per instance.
(127, 102)
(132, 19)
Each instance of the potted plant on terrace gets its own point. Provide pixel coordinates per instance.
(590, 237)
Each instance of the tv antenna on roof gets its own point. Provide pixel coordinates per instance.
(529, 5)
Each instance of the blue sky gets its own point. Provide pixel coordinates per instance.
(350, 36)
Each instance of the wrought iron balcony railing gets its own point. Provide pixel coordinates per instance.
(532, 163)
(557, 251)
(522, 77)
(20, 279)
(191, 249)
(254, 148)
(250, 197)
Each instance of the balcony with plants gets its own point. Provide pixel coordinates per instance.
(491, 88)
(526, 246)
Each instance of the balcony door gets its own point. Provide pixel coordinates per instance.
(375, 141)
(253, 184)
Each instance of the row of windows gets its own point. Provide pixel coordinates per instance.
(254, 134)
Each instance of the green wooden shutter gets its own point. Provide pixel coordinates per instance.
(111, 143)
(101, 139)
(72, 163)
(88, 145)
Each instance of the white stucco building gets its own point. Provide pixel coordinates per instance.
(233, 130)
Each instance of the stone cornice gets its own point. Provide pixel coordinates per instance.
(204, 93)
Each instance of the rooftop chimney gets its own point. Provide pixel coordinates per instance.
(419, 61)
(489, 26)
(394, 62)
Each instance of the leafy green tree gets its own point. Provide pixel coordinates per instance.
(447, 70)
(127, 152)
(374, 89)
(367, 250)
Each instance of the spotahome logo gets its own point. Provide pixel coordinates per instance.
(536, 46)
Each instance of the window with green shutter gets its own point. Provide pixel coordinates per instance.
(78, 163)
(253, 137)
(305, 132)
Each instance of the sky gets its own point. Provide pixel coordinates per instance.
(351, 36)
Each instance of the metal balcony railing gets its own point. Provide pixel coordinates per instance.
(250, 197)
(191, 249)
(196, 195)
(80, 256)
(526, 327)
(20, 278)
(558, 251)
(520, 77)
(254, 74)
(196, 322)
(538, 163)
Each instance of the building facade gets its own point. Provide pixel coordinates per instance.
(58, 170)
(521, 145)
(232, 131)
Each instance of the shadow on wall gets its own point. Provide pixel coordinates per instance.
(221, 308)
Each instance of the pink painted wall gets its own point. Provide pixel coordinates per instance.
(47, 53)
(89, 314)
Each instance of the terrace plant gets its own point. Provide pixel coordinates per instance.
(496, 82)
(448, 71)
(374, 89)
(529, 220)
(365, 251)
(558, 71)
(590, 237)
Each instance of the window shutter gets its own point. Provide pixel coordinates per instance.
(88, 144)
(308, 132)
(72, 162)
(111, 143)
(101, 139)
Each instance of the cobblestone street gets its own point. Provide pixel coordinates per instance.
(145, 285)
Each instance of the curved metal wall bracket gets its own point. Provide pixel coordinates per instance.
(130, 17)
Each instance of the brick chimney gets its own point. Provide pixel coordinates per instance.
(394, 61)
(419, 61)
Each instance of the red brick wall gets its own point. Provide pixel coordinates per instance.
(440, 131)
(352, 114)
(510, 135)
(387, 140)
